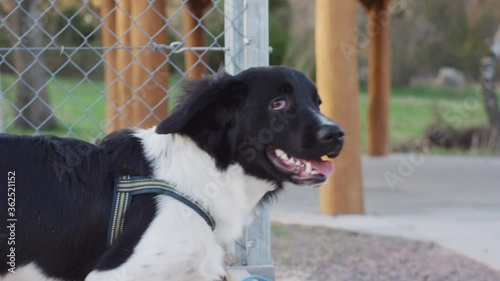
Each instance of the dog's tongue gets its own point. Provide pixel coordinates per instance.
(323, 167)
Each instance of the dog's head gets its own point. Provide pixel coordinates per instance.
(265, 119)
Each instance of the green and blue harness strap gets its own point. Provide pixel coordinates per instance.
(126, 187)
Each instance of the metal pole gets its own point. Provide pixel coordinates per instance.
(233, 64)
(2, 97)
(247, 37)
(256, 53)
(233, 24)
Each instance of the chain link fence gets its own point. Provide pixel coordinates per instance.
(81, 68)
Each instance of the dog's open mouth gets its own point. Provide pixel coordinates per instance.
(300, 170)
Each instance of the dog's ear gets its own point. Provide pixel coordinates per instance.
(213, 95)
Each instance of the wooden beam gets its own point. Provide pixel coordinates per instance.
(108, 33)
(123, 69)
(337, 81)
(194, 37)
(379, 82)
(149, 78)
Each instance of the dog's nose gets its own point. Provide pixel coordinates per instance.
(330, 134)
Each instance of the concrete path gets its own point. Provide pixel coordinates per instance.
(453, 201)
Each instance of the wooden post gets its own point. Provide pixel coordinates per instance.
(123, 69)
(379, 82)
(149, 78)
(108, 33)
(337, 81)
(195, 37)
(136, 80)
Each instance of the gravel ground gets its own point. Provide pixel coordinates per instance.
(321, 254)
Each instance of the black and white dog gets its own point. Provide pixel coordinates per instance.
(230, 145)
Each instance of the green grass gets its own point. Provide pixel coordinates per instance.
(78, 104)
(412, 110)
(80, 108)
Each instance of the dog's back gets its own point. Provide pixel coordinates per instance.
(53, 185)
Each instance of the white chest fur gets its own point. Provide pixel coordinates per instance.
(230, 196)
(179, 245)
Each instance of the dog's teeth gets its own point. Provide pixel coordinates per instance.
(298, 163)
(308, 168)
(281, 154)
(291, 161)
(314, 172)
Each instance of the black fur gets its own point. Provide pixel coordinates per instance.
(63, 198)
(208, 113)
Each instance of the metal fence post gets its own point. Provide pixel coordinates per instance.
(1, 96)
(233, 37)
(247, 37)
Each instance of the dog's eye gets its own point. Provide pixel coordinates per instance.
(278, 104)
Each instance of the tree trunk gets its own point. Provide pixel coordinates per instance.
(488, 66)
(489, 91)
(300, 48)
(32, 100)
